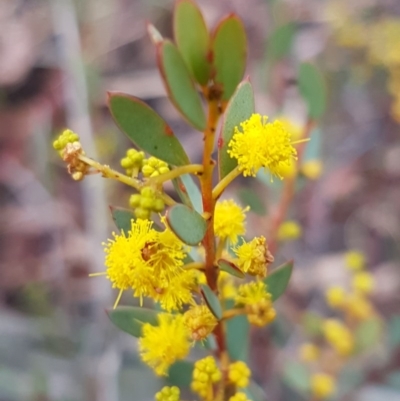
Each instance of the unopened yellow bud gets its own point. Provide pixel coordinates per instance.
(239, 374)
(205, 374)
(336, 297)
(168, 394)
(338, 336)
(158, 205)
(239, 397)
(289, 231)
(141, 213)
(355, 260)
(312, 169)
(309, 352)
(363, 282)
(322, 385)
(358, 306)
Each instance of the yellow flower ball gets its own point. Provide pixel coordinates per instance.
(309, 352)
(322, 385)
(355, 260)
(336, 297)
(363, 282)
(289, 231)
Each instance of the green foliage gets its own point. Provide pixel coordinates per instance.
(179, 84)
(278, 280)
(146, 129)
(280, 42)
(239, 108)
(193, 39)
(180, 374)
(122, 218)
(296, 375)
(188, 225)
(229, 45)
(394, 332)
(188, 192)
(312, 88)
(229, 267)
(131, 318)
(212, 301)
(249, 197)
(312, 324)
(368, 334)
(237, 336)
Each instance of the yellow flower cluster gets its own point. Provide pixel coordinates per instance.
(168, 394)
(133, 162)
(229, 219)
(262, 144)
(200, 321)
(322, 385)
(153, 167)
(160, 346)
(354, 260)
(258, 303)
(254, 257)
(239, 374)
(150, 263)
(338, 336)
(205, 374)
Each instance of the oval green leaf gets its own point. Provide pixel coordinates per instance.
(230, 268)
(368, 334)
(193, 39)
(146, 129)
(180, 374)
(131, 318)
(188, 225)
(122, 218)
(237, 336)
(229, 49)
(278, 280)
(313, 89)
(179, 84)
(188, 192)
(211, 300)
(280, 42)
(240, 108)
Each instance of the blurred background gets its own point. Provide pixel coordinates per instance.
(57, 60)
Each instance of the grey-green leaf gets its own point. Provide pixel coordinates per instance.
(229, 267)
(313, 89)
(131, 318)
(193, 39)
(189, 192)
(240, 108)
(188, 225)
(280, 42)
(278, 280)
(229, 47)
(122, 218)
(212, 301)
(146, 129)
(180, 373)
(179, 84)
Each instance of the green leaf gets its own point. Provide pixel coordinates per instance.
(280, 42)
(146, 128)
(229, 46)
(312, 324)
(312, 88)
(188, 225)
(229, 267)
(297, 376)
(367, 334)
(239, 108)
(254, 392)
(211, 300)
(188, 192)
(193, 39)
(180, 374)
(394, 332)
(122, 218)
(278, 280)
(249, 197)
(179, 84)
(237, 336)
(131, 318)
